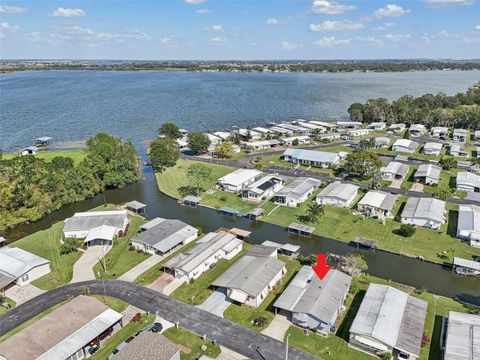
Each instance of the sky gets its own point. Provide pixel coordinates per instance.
(240, 30)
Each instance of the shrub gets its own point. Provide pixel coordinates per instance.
(260, 321)
(307, 259)
(425, 340)
(136, 318)
(406, 230)
(69, 246)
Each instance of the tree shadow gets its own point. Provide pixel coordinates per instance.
(452, 223)
(187, 190)
(435, 342)
(343, 329)
(303, 218)
(452, 182)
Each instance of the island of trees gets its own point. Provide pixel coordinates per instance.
(31, 187)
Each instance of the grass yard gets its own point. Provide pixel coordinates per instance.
(245, 315)
(120, 259)
(113, 303)
(190, 344)
(197, 292)
(76, 155)
(8, 302)
(121, 335)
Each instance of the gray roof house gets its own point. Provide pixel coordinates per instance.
(405, 145)
(389, 320)
(311, 157)
(468, 181)
(460, 135)
(250, 279)
(428, 174)
(468, 226)
(377, 204)
(315, 303)
(165, 236)
(432, 148)
(394, 171)
(426, 212)
(338, 194)
(149, 346)
(296, 192)
(463, 337)
(80, 224)
(262, 188)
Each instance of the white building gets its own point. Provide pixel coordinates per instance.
(462, 341)
(261, 144)
(309, 125)
(262, 130)
(394, 171)
(236, 180)
(458, 151)
(296, 192)
(294, 128)
(281, 131)
(81, 224)
(328, 126)
(432, 148)
(389, 320)
(468, 227)
(262, 189)
(417, 129)
(311, 157)
(20, 267)
(329, 136)
(357, 132)
(224, 135)
(396, 128)
(302, 140)
(214, 140)
(382, 142)
(439, 132)
(249, 135)
(338, 194)
(405, 145)
(460, 135)
(425, 212)
(349, 124)
(428, 174)
(377, 204)
(377, 126)
(190, 265)
(468, 181)
(30, 150)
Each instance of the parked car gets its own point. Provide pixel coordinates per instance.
(156, 327)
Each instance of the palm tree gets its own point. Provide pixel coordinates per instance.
(315, 210)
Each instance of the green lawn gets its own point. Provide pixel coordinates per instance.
(113, 303)
(6, 300)
(190, 344)
(120, 259)
(245, 315)
(122, 335)
(48, 155)
(197, 292)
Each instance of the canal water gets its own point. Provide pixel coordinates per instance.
(412, 272)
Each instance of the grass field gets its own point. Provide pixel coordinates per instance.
(120, 259)
(114, 303)
(199, 291)
(48, 155)
(191, 344)
(6, 300)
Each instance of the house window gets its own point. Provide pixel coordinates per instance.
(25, 277)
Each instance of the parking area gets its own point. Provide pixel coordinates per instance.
(160, 284)
(278, 327)
(216, 303)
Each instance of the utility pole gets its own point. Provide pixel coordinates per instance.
(286, 348)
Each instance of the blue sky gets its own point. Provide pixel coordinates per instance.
(229, 29)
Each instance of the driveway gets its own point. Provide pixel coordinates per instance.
(278, 327)
(172, 286)
(83, 268)
(396, 184)
(160, 284)
(139, 269)
(216, 303)
(418, 187)
(247, 342)
(21, 294)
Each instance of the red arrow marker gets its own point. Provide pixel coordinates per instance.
(321, 269)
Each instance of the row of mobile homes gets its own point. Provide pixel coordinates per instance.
(190, 265)
(296, 192)
(428, 174)
(338, 194)
(262, 189)
(311, 157)
(314, 303)
(238, 179)
(425, 212)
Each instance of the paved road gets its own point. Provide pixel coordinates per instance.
(242, 340)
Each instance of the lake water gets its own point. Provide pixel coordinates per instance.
(74, 105)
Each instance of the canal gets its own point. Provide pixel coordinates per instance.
(412, 272)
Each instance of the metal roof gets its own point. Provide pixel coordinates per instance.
(31, 148)
(239, 177)
(264, 184)
(425, 208)
(320, 298)
(301, 227)
(250, 274)
(428, 170)
(299, 187)
(410, 144)
(338, 190)
(151, 223)
(43, 138)
(433, 146)
(286, 247)
(102, 232)
(91, 219)
(192, 199)
(379, 200)
(166, 235)
(312, 155)
(396, 168)
(136, 205)
(262, 250)
(16, 262)
(475, 265)
(256, 211)
(463, 337)
(148, 346)
(468, 179)
(468, 219)
(417, 127)
(392, 317)
(6, 280)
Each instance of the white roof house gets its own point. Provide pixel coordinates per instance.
(302, 139)
(20, 266)
(394, 170)
(224, 135)
(428, 174)
(311, 157)
(426, 212)
(102, 233)
(349, 124)
(297, 191)
(463, 337)
(262, 130)
(439, 131)
(396, 128)
(338, 194)
(432, 148)
(377, 204)
(312, 302)
(309, 125)
(294, 128)
(417, 129)
(280, 130)
(458, 150)
(468, 226)
(237, 179)
(460, 135)
(389, 320)
(468, 181)
(377, 125)
(405, 145)
(249, 134)
(80, 224)
(261, 144)
(382, 142)
(30, 150)
(214, 140)
(263, 188)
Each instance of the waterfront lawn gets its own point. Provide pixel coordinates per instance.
(8, 301)
(121, 335)
(245, 315)
(120, 259)
(76, 155)
(191, 344)
(113, 303)
(197, 292)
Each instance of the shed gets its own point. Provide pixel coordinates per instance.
(229, 211)
(191, 201)
(300, 229)
(255, 213)
(466, 267)
(30, 150)
(42, 141)
(240, 233)
(136, 206)
(283, 249)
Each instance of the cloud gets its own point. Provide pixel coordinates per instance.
(203, 11)
(67, 13)
(290, 45)
(331, 41)
(397, 37)
(5, 9)
(449, 2)
(477, 28)
(427, 38)
(444, 34)
(369, 40)
(391, 10)
(330, 25)
(218, 39)
(195, 2)
(272, 21)
(326, 7)
(217, 28)
(165, 40)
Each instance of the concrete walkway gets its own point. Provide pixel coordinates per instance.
(216, 303)
(228, 354)
(139, 269)
(278, 327)
(172, 286)
(83, 268)
(21, 294)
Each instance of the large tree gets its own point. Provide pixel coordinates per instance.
(198, 142)
(363, 163)
(163, 153)
(170, 130)
(224, 150)
(314, 211)
(198, 175)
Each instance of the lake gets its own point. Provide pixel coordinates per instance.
(74, 105)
